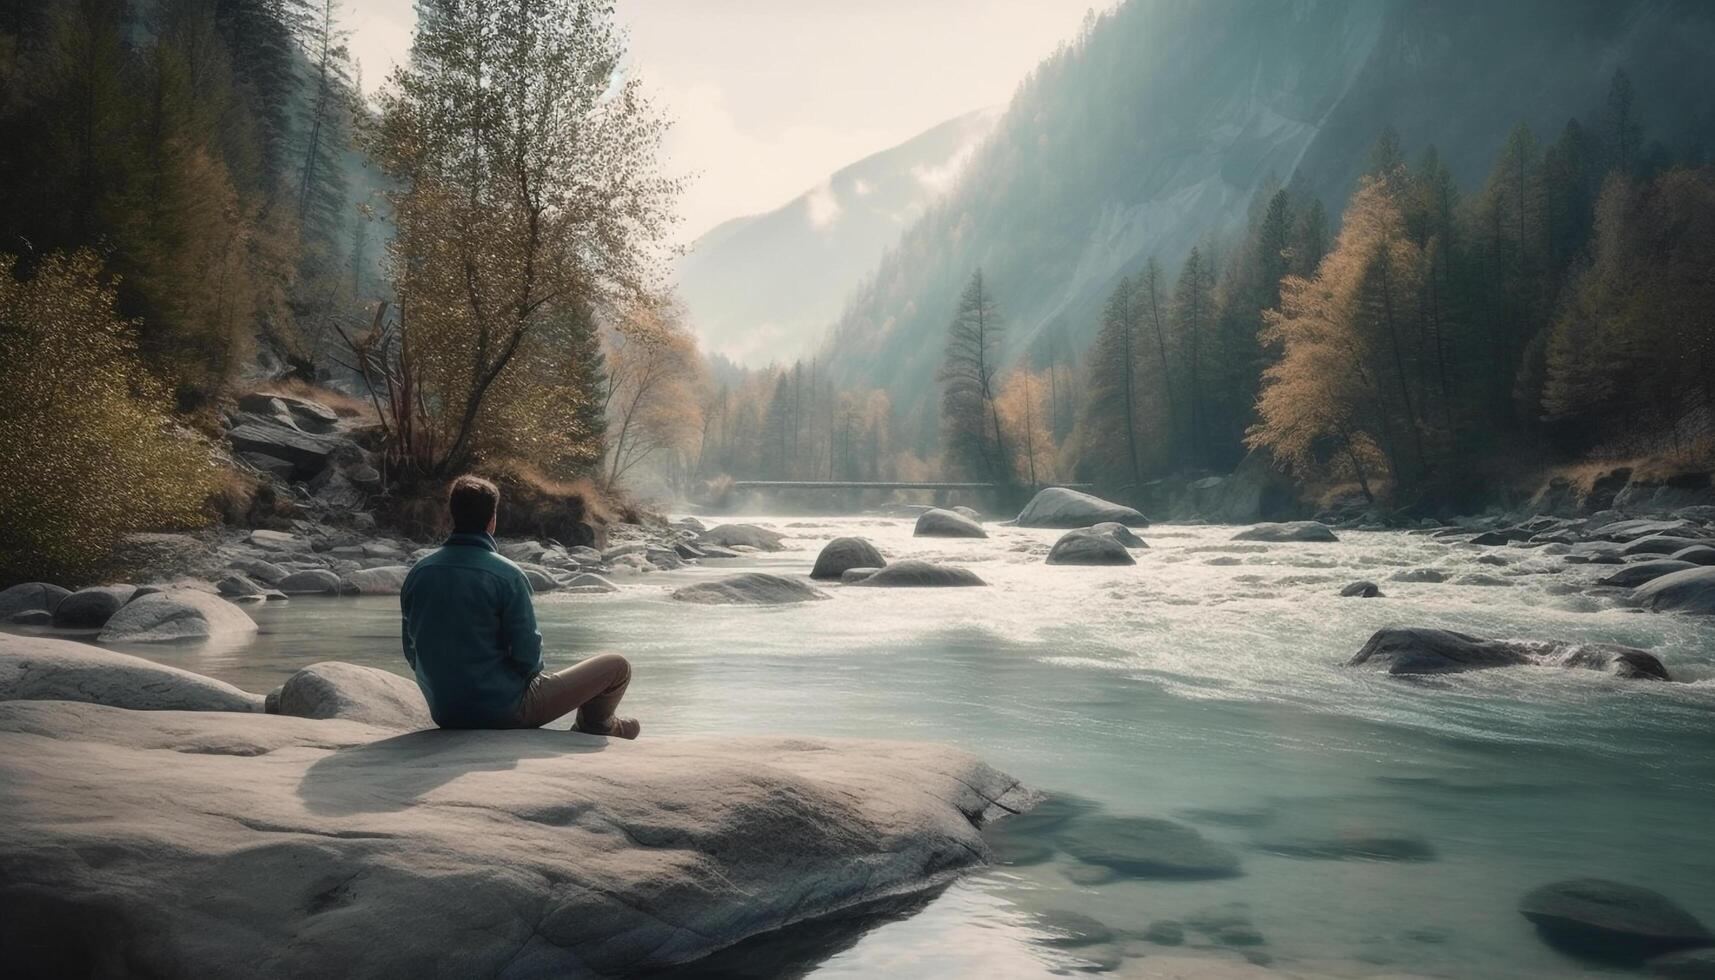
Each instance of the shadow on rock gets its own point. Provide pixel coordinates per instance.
(392, 774)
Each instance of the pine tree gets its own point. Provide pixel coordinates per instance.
(1112, 404)
(1193, 318)
(971, 427)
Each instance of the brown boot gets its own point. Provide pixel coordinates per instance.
(616, 728)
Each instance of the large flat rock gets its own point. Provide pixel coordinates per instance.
(40, 668)
(213, 844)
(1063, 508)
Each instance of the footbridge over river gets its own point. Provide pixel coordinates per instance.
(1005, 495)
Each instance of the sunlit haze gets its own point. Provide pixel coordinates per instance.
(770, 96)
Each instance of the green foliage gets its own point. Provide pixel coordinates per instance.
(86, 442)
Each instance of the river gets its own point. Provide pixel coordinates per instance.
(1202, 685)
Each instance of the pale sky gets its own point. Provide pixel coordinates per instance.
(770, 96)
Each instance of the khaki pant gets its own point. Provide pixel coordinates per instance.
(591, 688)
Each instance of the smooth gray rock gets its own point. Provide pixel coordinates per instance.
(1415, 650)
(28, 596)
(1610, 920)
(853, 576)
(1124, 535)
(311, 581)
(842, 554)
(749, 589)
(1696, 964)
(1062, 508)
(1632, 530)
(333, 689)
(176, 614)
(1631, 576)
(1654, 544)
(914, 573)
(742, 535)
(541, 580)
(40, 668)
(1362, 590)
(238, 587)
(1697, 554)
(1691, 590)
(1419, 575)
(260, 571)
(280, 541)
(1147, 847)
(91, 608)
(938, 523)
(1292, 531)
(970, 512)
(1481, 579)
(384, 580)
(242, 845)
(589, 583)
(1089, 546)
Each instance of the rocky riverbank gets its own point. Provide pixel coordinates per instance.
(214, 840)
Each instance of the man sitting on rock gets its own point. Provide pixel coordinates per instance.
(470, 635)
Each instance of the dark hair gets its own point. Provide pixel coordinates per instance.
(472, 501)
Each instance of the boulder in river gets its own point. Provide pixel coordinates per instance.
(310, 581)
(176, 614)
(1419, 575)
(1416, 650)
(1362, 590)
(1632, 530)
(589, 583)
(31, 597)
(91, 608)
(1697, 554)
(1610, 920)
(1654, 544)
(1089, 546)
(742, 535)
(382, 580)
(1060, 507)
(1119, 532)
(916, 573)
(1147, 847)
(1694, 964)
(1631, 576)
(1291, 531)
(235, 844)
(842, 554)
(40, 668)
(749, 589)
(938, 523)
(334, 689)
(1690, 590)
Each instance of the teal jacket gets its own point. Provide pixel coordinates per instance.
(470, 633)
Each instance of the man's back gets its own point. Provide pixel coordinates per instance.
(469, 631)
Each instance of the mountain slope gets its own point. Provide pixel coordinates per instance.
(1163, 121)
(764, 287)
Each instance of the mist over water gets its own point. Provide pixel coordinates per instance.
(1205, 686)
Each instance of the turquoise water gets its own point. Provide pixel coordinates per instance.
(1203, 686)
